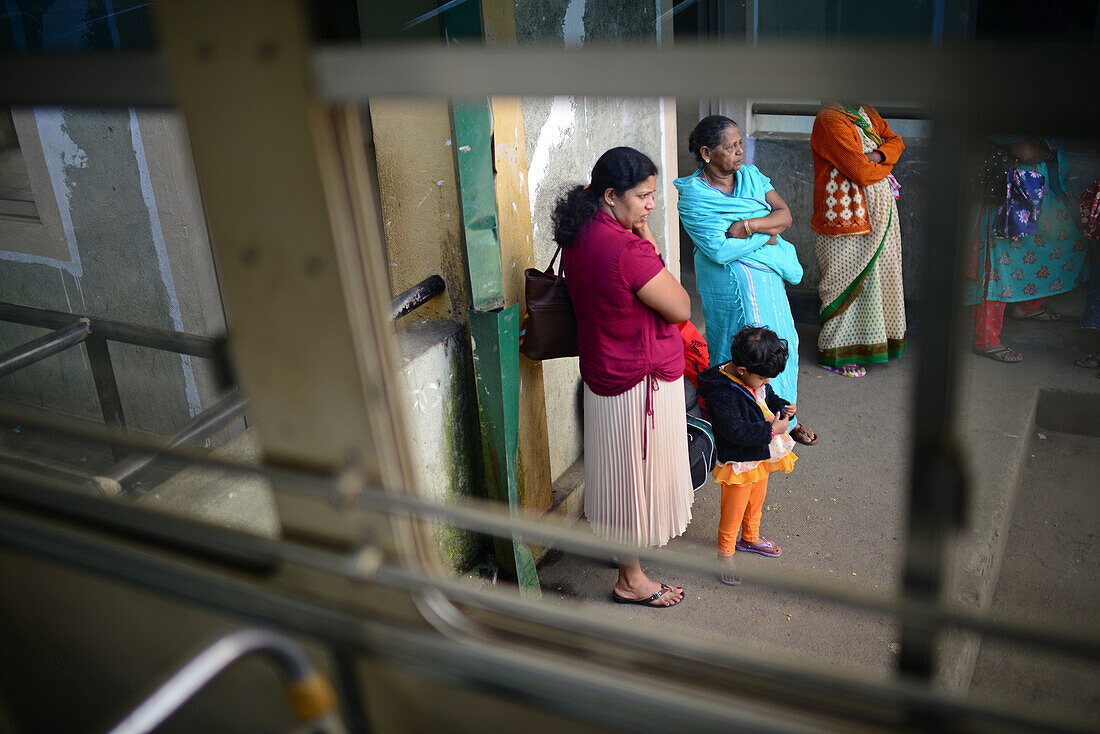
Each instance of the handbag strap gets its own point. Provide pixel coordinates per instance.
(550, 268)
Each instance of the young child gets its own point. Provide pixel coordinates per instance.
(750, 432)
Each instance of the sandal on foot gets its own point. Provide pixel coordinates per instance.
(1001, 354)
(804, 435)
(1089, 361)
(650, 601)
(848, 370)
(1039, 314)
(763, 546)
(730, 577)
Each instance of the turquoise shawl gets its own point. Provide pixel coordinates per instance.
(707, 213)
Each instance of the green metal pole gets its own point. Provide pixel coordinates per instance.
(494, 329)
(495, 336)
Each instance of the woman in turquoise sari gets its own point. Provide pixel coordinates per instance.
(1017, 274)
(734, 216)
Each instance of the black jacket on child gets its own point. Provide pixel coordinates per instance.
(740, 431)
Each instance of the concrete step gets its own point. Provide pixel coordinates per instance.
(1000, 407)
(244, 503)
(1050, 573)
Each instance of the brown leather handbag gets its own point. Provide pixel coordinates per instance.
(549, 328)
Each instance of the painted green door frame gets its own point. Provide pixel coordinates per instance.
(494, 328)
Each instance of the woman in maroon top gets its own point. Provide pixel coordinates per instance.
(637, 481)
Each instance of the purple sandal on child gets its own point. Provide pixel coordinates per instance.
(763, 546)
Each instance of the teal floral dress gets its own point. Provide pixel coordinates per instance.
(1052, 261)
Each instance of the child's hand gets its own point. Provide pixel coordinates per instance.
(789, 410)
(780, 425)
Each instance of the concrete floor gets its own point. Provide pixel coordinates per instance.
(840, 516)
(1050, 575)
(245, 503)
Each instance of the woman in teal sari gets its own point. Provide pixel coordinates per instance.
(1028, 268)
(734, 216)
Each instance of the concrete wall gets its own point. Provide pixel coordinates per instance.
(419, 191)
(564, 137)
(442, 423)
(121, 236)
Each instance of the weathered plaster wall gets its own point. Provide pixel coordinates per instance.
(442, 423)
(418, 186)
(419, 190)
(122, 237)
(564, 137)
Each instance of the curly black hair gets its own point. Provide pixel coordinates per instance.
(759, 350)
(708, 133)
(619, 169)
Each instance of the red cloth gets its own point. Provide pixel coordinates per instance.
(696, 353)
(620, 339)
(989, 320)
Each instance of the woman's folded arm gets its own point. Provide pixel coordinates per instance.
(664, 294)
(836, 140)
(777, 221)
(711, 240)
(892, 144)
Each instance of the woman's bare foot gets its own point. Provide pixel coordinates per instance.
(803, 435)
(634, 586)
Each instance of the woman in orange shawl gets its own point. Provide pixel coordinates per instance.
(858, 238)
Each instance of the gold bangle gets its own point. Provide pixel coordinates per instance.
(748, 228)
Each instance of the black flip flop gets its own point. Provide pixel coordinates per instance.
(648, 601)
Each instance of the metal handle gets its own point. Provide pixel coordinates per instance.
(309, 694)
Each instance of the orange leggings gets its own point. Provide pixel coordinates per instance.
(742, 506)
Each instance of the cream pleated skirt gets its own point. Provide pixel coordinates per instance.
(627, 498)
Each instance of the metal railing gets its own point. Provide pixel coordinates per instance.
(238, 553)
(309, 695)
(71, 330)
(966, 92)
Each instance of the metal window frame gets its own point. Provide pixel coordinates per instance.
(980, 97)
(22, 210)
(230, 564)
